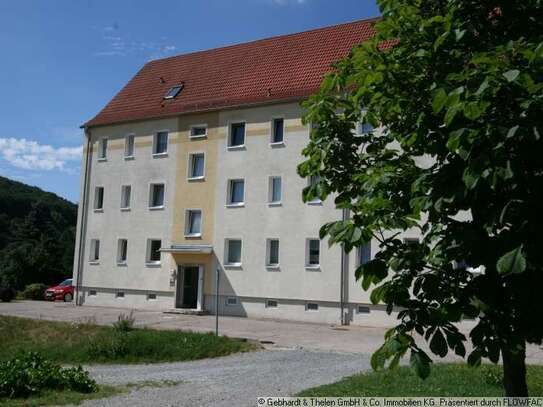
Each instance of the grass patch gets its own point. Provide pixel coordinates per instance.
(59, 398)
(89, 343)
(452, 380)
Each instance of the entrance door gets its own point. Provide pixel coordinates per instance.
(187, 287)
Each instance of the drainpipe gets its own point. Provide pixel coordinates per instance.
(83, 220)
(344, 271)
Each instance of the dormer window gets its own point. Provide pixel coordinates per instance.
(173, 92)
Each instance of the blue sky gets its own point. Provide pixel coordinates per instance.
(63, 60)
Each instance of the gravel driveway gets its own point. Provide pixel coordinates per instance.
(234, 380)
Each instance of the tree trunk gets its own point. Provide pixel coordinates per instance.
(514, 370)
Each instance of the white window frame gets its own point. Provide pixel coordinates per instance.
(95, 204)
(93, 259)
(191, 137)
(92, 293)
(123, 193)
(272, 132)
(119, 295)
(268, 253)
(229, 191)
(126, 138)
(121, 262)
(227, 252)
(151, 299)
(316, 201)
(155, 143)
(229, 140)
(228, 302)
(188, 214)
(190, 165)
(270, 190)
(309, 266)
(102, 152)
(272, 306)
(148, 261)
(152, 194)
(359, 254)
(363, 309)
(307, 305)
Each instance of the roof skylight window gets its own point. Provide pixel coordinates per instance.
(174, 91)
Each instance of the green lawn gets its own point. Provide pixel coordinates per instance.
(59, 398)
(453, 380)
(88, 343)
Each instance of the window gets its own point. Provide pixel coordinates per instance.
(156, 199)
(122, 251)
(236, 192)
(277, 131)
(272, 251)
(237, 135)
(199, 131)
(231, 301)
(233, 252)
(92, 293)
(313, 253)
(411, 240)
(126, 191)
(173, 91)
(98, 198)
(151, 297)
(95, 250)
(362, 309)
(153, 251)
(196, 165)
(193, 222)
(102, 149)
(312, 306)
(364, 254)
(271, 303)
(119, 294)
(129, 146)
(363, 128)
(313, 181)
(160, 143)
(275, 190)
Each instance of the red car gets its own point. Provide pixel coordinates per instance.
(64, 291)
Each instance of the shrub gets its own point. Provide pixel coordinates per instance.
(30, 373)
(125, 323)
(7, 294)
(35, 291)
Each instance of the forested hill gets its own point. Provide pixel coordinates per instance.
(37, 235)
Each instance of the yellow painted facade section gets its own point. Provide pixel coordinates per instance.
(196, 194)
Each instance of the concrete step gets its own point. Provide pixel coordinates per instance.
(186, 311)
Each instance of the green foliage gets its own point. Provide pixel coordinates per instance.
(30, 373)
(7, 294)
(125, 323)
(457, 90)
(34, 291)
(37, 235)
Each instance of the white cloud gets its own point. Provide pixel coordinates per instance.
(30, 155)
(284, 2)
(116, 44)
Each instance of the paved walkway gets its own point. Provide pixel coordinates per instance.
(273, 334)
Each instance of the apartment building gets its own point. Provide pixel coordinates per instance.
(189, 178)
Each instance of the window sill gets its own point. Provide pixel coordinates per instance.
(128, 157)
(196, 179)
(198, 137)
(236, 205)
(102, 159)
(121, 263)
(125, 209)
(272, 204)
(153, 264)
(99, 210)
(160, 155)
(233, 266)
(277, 144)
(234, 148)
(193, 236)
(156, 208)
(273, 267)
(313, 268)
(315, 203)
(94, 263)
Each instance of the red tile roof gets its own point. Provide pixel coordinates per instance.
(287, 67)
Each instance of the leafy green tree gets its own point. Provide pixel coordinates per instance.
(456, 86)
